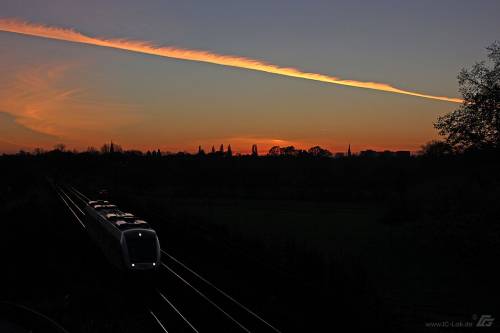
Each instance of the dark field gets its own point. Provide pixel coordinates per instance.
(311, 244)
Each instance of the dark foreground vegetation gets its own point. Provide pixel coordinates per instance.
(313, 244)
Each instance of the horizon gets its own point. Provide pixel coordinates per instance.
(207, 149)
(81, 94)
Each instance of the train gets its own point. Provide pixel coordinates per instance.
(127, 241)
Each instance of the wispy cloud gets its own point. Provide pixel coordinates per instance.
(41, 99)
(27, 28)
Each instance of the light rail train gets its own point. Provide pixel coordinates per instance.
(127, 241)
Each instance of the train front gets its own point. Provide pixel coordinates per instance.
(141, 249)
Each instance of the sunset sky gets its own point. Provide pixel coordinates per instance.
(56, 91)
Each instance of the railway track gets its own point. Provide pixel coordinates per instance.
(180, 299)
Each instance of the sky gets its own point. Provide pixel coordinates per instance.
(54, 91)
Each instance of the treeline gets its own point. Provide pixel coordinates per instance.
(275, 151)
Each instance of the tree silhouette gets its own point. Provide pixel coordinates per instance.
(285, 151)
(221, 148)
(290, 151)
(213, 150)
(317, 151)
(229, 151)
(200, 151)
(275, 151)
(254, 150)
(436, 149)
(476, 124)
(111, 148)
(60, 147)
(38, 151)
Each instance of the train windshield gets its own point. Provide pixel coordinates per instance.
(142, 246)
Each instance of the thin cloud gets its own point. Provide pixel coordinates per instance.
(44, 31)
(40, 98)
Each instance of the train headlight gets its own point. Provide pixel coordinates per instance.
(133, 265)
(140, 235)
(154, 264)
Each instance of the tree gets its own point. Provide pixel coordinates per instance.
(275, 151)
(60, 147)
(290, 151)
(317, 151)
(111, 148)
(105, 148)
(92, 150)
(254, 150)
(436, 149)
(476, 124)
(285, 151)
(39, 151)
(221, 149)
(200, 151)
(229, 151)
(213, 150)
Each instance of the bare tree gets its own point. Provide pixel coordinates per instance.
(92, 150)
(60, 147)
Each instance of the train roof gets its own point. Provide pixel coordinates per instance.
(119, 219)
(98, 202)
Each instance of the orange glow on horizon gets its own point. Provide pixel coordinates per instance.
(38, 30)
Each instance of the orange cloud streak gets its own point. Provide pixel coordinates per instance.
(38, 99)
(31, 29)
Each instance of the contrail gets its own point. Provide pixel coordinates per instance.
(69, 35)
